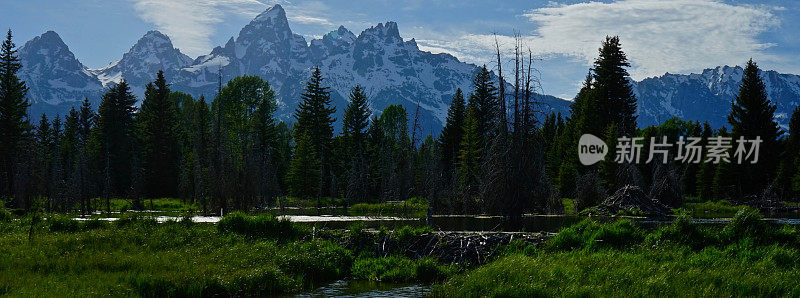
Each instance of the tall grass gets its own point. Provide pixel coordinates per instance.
(70, 258)
(401, 269)
(263, 226)
(746, 257)
(711, 209)
(410, 208)
(5, 215)
(135, 256)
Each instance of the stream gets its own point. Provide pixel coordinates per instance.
(351, 288)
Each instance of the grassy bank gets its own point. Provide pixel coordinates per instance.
(745, 258)
(135, 256)
(712, 209)
(410, 208)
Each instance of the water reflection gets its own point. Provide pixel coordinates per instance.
(350, 288)
(532, 223)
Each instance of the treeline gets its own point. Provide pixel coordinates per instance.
(605, 107)
(493, 156)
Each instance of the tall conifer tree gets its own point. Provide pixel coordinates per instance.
(116, 138)
(314, 115)
(615, 100)
(752, 115)
(13, 116)
(452, 133)
(354, 125)
(158, 132)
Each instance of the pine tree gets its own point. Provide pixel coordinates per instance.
(705, 175)
(615, 100)
(314, 119)
(790, 159)
(452, 135)
(484, 100)
(43, 153)
(608, 167)
(13, 117)
(116, 141)
(303, 173)
(201, 138)
(356, 118)
(752, 115)
(158, 122)
(354, 125)
(83, 177)
(69, 156)
(469, 168)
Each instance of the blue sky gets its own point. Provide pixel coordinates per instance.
(679, 36)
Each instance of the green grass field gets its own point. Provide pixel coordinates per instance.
(135, 256)
(745, 258)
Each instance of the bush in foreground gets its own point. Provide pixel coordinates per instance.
(746, 257)
(400, 269)
(262, 226)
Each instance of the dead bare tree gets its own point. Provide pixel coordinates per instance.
(514, 176)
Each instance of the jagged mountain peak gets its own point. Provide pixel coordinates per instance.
(706, 96)
(153, 44)
(340, 34)
(387, 31)
(391, 70)
(50, 37)
(336, 42)
(153, 52)
(275, 12)
(48, 41)
(271, 24)
(52, 72)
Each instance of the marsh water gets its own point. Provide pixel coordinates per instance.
(351, 288)
(339, 220)
(530, 223)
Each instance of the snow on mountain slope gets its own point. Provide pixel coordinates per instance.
(151, 53)
(52, 72)
(391, 70)
(707, 96)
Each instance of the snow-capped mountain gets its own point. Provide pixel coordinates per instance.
(53, 74)
(153, 52)
(391, 70)
(707, 96)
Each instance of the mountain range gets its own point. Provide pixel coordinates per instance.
(392, 71)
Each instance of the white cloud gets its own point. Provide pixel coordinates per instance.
(658, 36)
(190, 23)
(305, 19)
(307, 12)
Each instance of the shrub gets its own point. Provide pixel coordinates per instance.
(149, 286)
(316, 261)
(262, 282)
(571, 237)
(389, 269)
(400, 269)
(358, 238)
(406, 233)
(262, 226)
(135, 219)
(620, 234)
(5, 215)
(61, 223)
(592, 235)
(94, 224)
(681, 231)
(746, 223)
(428, 270)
